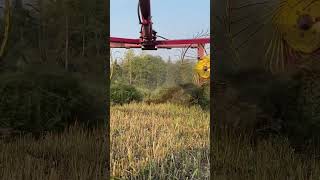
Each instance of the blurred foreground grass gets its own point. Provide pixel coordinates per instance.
(236, 156)
(76, 154)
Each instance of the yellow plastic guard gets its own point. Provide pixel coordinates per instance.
(306, 40)
(203, 67)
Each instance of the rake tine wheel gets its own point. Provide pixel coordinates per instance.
(290, 30)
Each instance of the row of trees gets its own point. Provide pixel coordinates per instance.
(151, 72)
(66, 32)
(52, 63)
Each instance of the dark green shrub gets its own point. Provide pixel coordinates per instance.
(124, 93)
(146, 93)
(186, 94)
(41, 100)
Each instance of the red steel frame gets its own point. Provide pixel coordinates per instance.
(148, 38)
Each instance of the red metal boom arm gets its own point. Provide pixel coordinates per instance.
(148, 37)
(147, 34)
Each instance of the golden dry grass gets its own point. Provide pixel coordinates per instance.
(76, 154)
(171, 142)
(162, 141)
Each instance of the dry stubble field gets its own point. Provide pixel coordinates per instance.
(162, 141)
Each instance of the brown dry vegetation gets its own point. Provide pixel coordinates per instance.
(162, 141)
(166, 141)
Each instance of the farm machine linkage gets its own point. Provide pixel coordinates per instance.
(148, 41)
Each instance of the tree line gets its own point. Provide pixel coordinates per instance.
(150, 72)
(70, 33)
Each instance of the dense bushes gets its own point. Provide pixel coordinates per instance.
(124, 93)
(40, 99)
(185, 94)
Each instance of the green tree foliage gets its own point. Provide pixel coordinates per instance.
(156, 80)
(47, 37)
(184, 71)
(7, 22)
(145, 71)
(116, 72)
(123, 93)
(152, 72)
(58, 31)
(185, 94)
(44, 100)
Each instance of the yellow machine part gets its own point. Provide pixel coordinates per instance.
(302, 40)
(202, 67)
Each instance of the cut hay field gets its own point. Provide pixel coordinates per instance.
(162, 141)
(167, 141)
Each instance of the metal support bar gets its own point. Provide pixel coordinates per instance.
(116, 42)
(201, 51)
(148, 35)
